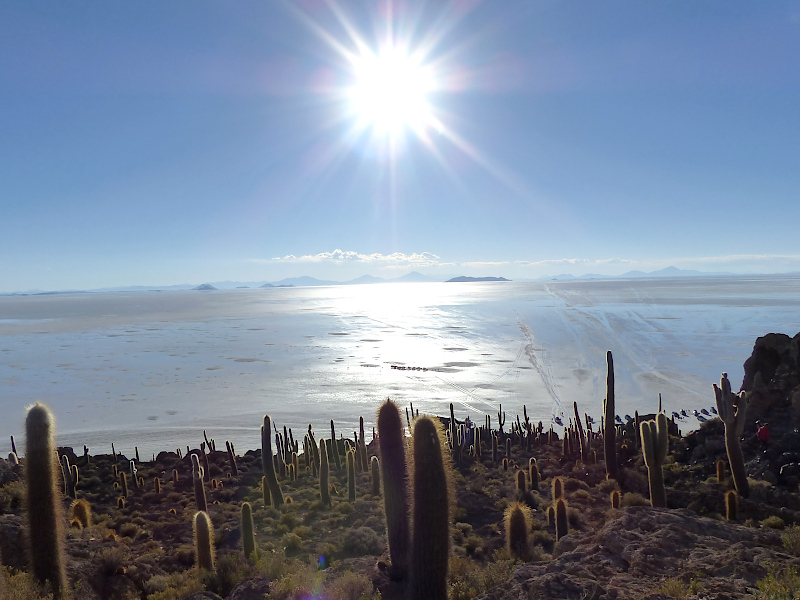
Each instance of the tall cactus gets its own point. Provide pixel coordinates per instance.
(732, 408)
(232, 459)
(610, 432)
(267, 465)
(362, 445)
(334, 449)
(394, 475)
(351, 475)
(431, 525)
(43, 499)
(324, 471)
(197, 482)
(375, 472)
(248, 535)
(533, 474)
(655, 442)
(203, 541)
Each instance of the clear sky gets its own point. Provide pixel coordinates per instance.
(157, 142)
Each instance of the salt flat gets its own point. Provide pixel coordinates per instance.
(154, 369)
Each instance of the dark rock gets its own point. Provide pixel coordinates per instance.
(12, 542)
(250, 589)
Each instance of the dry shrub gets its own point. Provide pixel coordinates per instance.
(350, 586)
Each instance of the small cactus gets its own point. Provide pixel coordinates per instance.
(551, 516)
(730, 505)
(655, 442)
(203, 541)
(558, 488)
(721, 471)
(518, 523)
(616, 499)
(265, 492)
(533, 474)
(562, 523)
(248, 535)
(82, 512)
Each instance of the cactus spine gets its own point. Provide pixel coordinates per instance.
(562, 524)
(730, 505)
(199, 488)
(204, 541)
(517, 521)
(267, 465)
(732, 408)
(43, 499)
(248, 536)
(394, 475)
(431, 525)
(610, 431)
(351, 475)
(324, 471)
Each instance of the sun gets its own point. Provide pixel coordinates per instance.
(390, 91)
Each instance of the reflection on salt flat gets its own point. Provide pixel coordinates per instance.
(153, 370)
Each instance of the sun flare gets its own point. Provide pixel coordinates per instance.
(390, 91)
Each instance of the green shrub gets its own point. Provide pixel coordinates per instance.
(468, 579)
(791, 540)
(362, 541)
(350, 586)
(773, 522)
(674, 587)
(780, 583)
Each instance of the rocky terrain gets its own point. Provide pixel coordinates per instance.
(143, 546)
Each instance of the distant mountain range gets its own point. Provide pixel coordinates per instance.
(413, 277)
(665, 273)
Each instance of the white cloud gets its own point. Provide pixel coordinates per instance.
(417, 259)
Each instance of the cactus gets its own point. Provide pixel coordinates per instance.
(203, 541)
(583, 442)
(655, 442)
(334, 449)
(123, 483)
(494, 447)
(394, 476)
(501, 418)
(43, 500)
(265, 492)
(518, 523)
(508, 447)
(14, 446)
(363, 446)
(133, 474)
(175, 476)
(522, 486)
(199, 488)
(324, 471)
(562, 523)
(232, 459)
(558, 488)
(431, 521)
(13, 458)
(533, 474)
(721, 471)
(248, 536)
(267, 465)
(157, 485)
(375, 471)
(351, 475)
(82, 512)
(121, 502)
(616, 499)
(70, 477)
(730, 505)
(610, 432)
(732, 408)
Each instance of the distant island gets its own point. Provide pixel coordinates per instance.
(463, 279)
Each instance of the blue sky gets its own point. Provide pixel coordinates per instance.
(162, 143)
